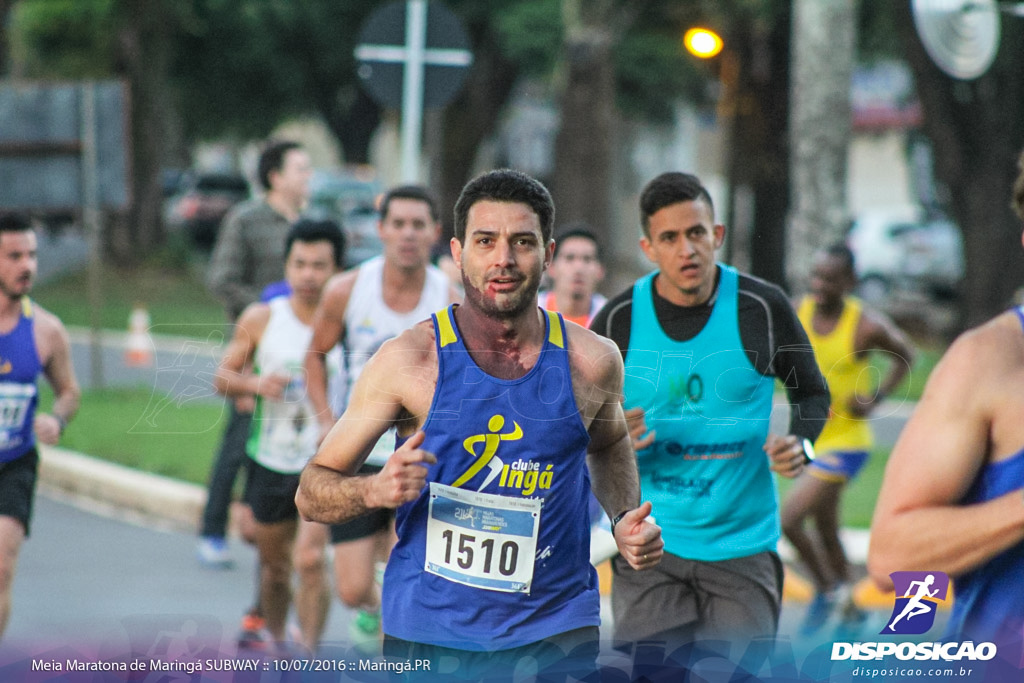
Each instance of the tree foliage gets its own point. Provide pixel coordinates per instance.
(65, 38)
(238, 68)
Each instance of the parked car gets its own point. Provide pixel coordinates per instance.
(906, 249)
(352, 202)
(199, 209)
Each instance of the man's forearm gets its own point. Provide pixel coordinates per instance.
(330, 497)
(316, 386)
(950, 538)
(614, 478)
(66, 405)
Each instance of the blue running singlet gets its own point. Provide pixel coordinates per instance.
(19, 369)
(495, 553)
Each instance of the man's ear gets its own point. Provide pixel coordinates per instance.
(456, 247)
(648, 249)
(549, 253)
(719, 235)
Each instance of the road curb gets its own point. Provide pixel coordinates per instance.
(168, 502)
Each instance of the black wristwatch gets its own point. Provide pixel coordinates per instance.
(618, 518)
(808, 447)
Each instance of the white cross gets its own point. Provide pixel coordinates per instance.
(414, 55)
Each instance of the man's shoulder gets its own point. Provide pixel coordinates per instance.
(258, 314)
(49, 331)
(762, 302)
(250, 207)
(47, 322)
(342, 283)
(339, 287)
(591, 354)
(755, 286)
(413, 348)
(999, 341)
(617, 304)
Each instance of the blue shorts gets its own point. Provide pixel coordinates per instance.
(838, 466)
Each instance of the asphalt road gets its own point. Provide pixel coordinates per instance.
(92, 586)
(92, 582)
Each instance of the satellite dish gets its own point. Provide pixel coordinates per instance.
(961, 36)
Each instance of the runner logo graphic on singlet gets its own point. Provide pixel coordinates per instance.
(488, 456)
(917, 597)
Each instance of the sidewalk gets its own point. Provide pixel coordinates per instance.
(114, 489)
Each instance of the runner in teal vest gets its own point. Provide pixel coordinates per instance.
(706, 472)
(703, 345)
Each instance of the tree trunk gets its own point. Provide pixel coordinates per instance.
(584, 145)
(470, 118)
(820, 128)
(766, 149)
(145, 56)
(352, 123)
(977, 134)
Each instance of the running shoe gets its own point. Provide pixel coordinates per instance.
(213, 553)
(364, 630)
(254, 634)
(818, 613)
(852, 620)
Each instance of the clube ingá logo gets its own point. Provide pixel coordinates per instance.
(917, 598)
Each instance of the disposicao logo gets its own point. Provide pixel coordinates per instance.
(917, 597)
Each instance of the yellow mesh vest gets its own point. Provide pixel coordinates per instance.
(845, 375)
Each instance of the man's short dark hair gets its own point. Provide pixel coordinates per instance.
(416, 192)
(11, 221)
(668, 189)
(842, 252)
(579, 229)
(307, 230)
(505, 185)
(272, 159)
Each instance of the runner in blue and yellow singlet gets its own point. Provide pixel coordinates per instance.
(951, 500)
(500, 408)
(853, 345)
(32, 342)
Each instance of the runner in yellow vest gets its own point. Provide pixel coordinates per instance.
(847, 339)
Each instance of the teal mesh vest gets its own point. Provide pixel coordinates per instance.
(706, 473)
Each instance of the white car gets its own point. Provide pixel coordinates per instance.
(906, 249)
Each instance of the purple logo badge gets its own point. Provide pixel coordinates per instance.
(917, 598)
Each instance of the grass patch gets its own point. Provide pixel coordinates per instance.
(913, 383)
(145, 430)
(175, 296)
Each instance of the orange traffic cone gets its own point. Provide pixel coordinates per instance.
(138, 349)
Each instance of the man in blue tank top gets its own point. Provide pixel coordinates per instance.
(507, 417)
(951, 500)
(703, 346)
(32, 342)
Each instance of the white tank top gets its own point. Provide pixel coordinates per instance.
(369, 323)
(284, 432)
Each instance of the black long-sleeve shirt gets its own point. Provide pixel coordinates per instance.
(772, 336)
